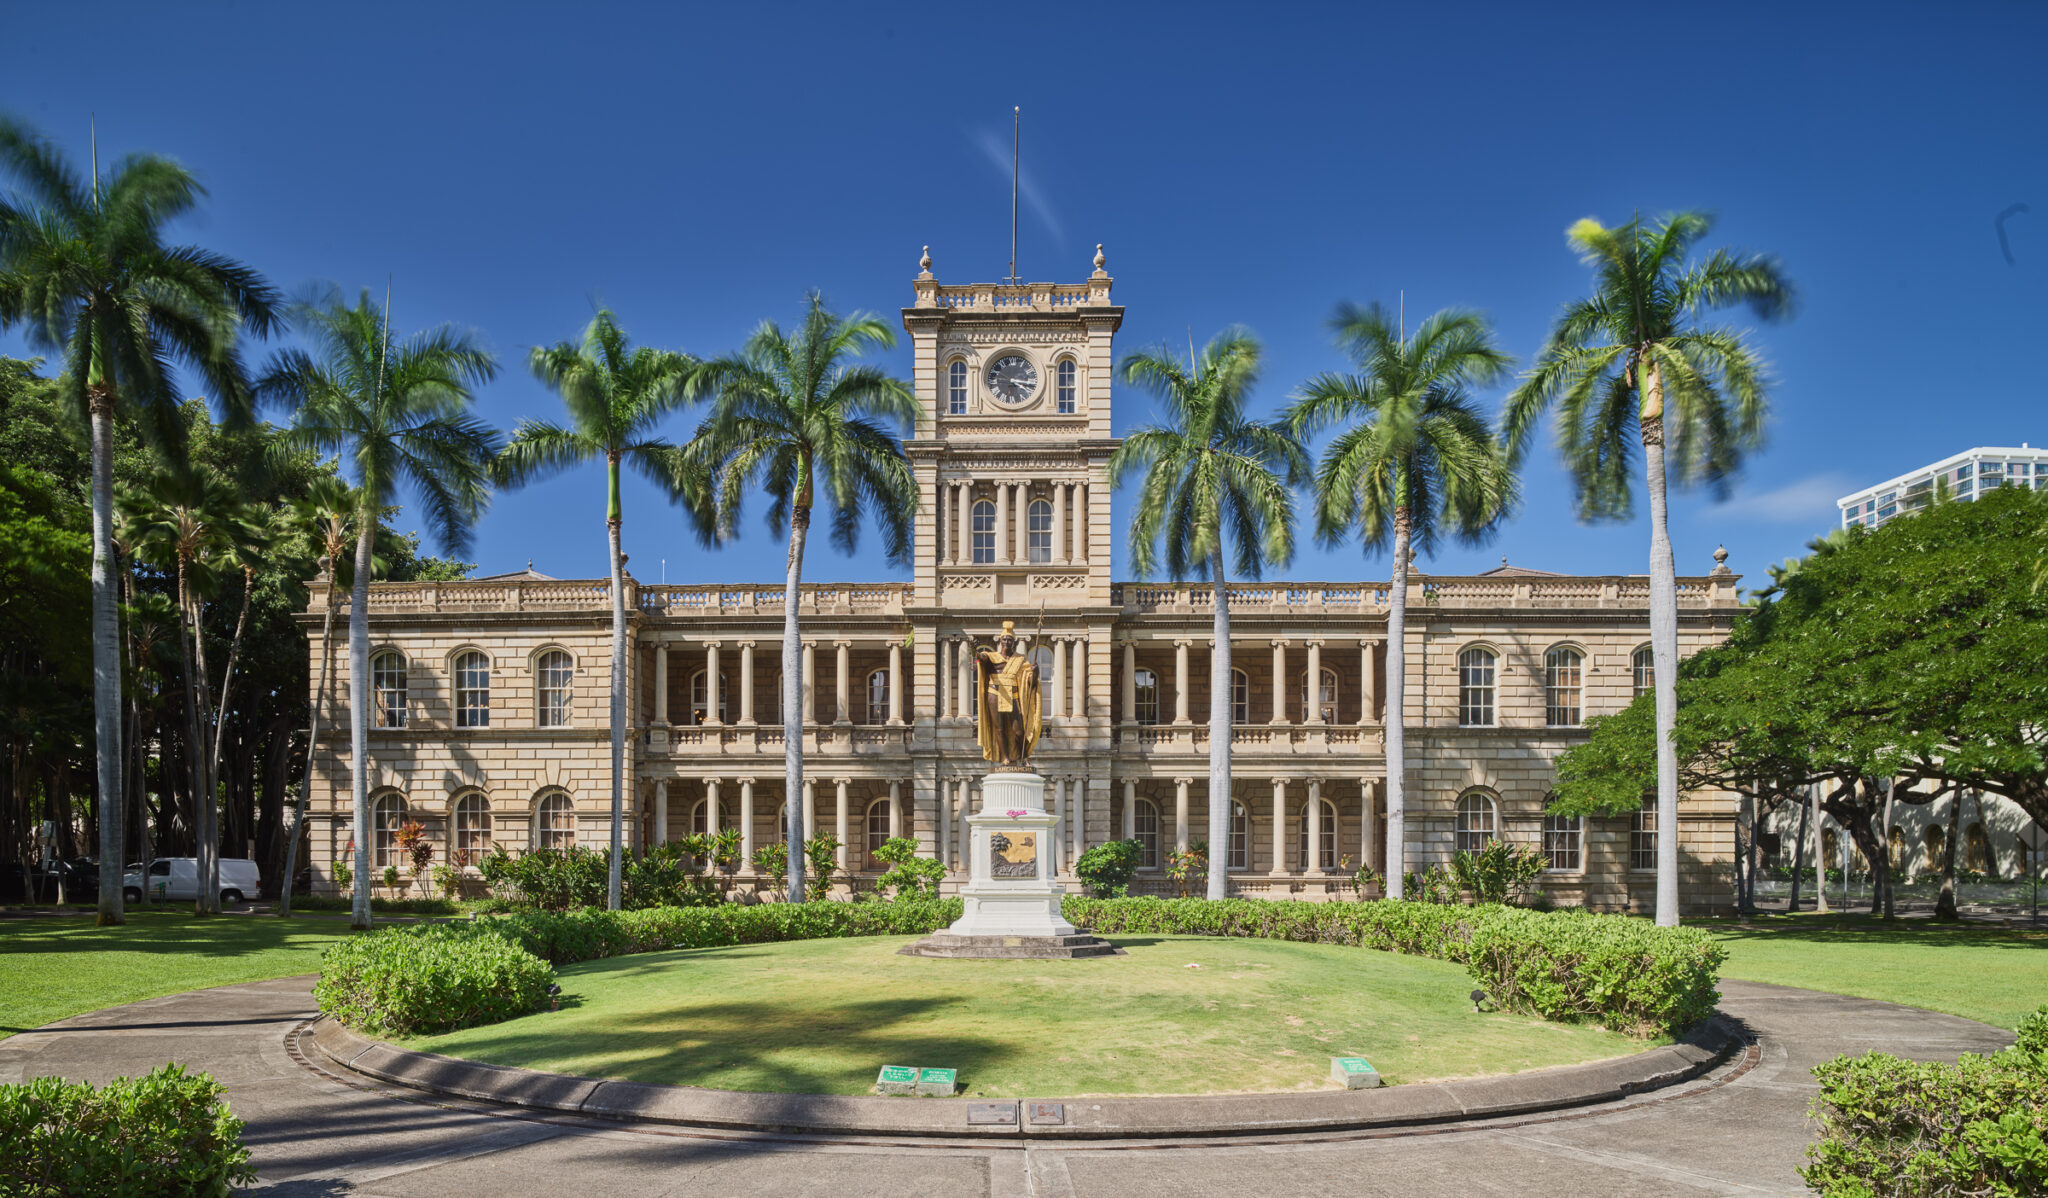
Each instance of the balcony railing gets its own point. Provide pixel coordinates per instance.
(1372, 597)
(747, 599)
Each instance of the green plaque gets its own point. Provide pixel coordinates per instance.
(1356, 1073)
(937, 1083)
(897, 1079)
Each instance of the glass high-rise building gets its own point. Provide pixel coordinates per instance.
(1964, 475)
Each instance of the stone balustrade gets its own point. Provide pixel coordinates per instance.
(1368, 598)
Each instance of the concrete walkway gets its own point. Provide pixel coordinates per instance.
(315, 1132)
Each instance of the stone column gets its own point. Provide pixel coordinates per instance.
(963, 551)
(942, 823)
(896, 684)
(1180, 814)
(660, 682)
(1279, 825)
(1314, 713)
(661, 813)
(1130, 810)
(810, 813)
(895, 810)
(747, 825)
(1078, 673)
(1003, 523)
(839, 830)
(711, 687)
(962, 846)
(1059, 524)
(1084, 523)
(946, 679)
(1368, 688)
(1055, 706)
(842, 692)
(1056, 843)
(945, 526)
(711, 806)
(1130, 682)
(809, 696)
(746, 684)
(968, 697)
(1313, 867)
(1368, 827)
(1077, 833)
(1180, 682)
(1279, 681)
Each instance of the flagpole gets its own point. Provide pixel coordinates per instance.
(1016, 132)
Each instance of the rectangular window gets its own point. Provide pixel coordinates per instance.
(387, 680)
(1561, 687)
(1642, 838)
(1475, 688)
(1066, 389)
(956, 389)
(1561, 837)
(472, 691)
(1145, 827)
(1146, 683)
(984, 532)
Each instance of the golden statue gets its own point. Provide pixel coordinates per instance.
(1006, 722)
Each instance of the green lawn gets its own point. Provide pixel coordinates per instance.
(54, 968)
(823, 1016)
(1994, 975)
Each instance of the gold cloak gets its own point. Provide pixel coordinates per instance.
(1004, 684)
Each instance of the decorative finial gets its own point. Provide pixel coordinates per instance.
(529, 563)
(925, 263)
(1100, 261)
(1503, 559)
(1721, 560)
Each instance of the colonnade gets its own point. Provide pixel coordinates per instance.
(1063, 690)
(843, 693)
(1283, 797)
(1369, 651)
(1008, 535)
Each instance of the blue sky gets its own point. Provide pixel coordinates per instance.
(698, 168)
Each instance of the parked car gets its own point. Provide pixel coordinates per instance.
(175, 879)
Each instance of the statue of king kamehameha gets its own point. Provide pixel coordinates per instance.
(1007, 721)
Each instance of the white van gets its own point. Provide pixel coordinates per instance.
(176, 879)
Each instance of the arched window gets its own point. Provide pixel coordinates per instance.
(1642, 837)
(1042, 658)
(1327, 700)
(1240, 837)
(1937, 845)
(1041, 530)
(1562, 836)
(1897, 849)
(878, 696)
(387, 680)
(554, 822)
(878, 832)
(1146, 683)
(1328, 832)
(1240, 697)
(701, 812)
(1067, 391)
(984, 531)
(1977, 851)
(1475, 688)
(700, 699)
(1477, 822)
(1563, 673)
(781, 835)
(387, 815)
(956, 389)
(1643, 663)
(473, 824)
(1145, 826)
(472, 690)
(551, 688)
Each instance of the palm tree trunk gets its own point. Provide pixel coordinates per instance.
(195, 740)
(227, 677)
(206, 804)
(612, 884)
(298, 824)
(1397, 717)
(1945, 906)
(106, 660)
(359, 715)
(793, 698)
(1221, 732)
(1663, 648)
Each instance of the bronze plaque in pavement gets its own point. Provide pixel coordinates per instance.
(1048, 1113)
(999, 1113)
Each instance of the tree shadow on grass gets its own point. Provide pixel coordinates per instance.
(1866, 931)
(167, 935)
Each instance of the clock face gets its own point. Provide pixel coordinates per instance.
(1012, 379)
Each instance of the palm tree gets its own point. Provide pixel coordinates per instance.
(792, 415)
(1416, 461)
(400, 414)
(1211, 475)
(327, 512)
(1634, 355)
(84, 266)
(616, 396)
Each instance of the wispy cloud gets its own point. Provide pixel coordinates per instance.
(1809, 500)
(996, 148)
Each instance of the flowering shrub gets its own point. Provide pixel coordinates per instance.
(164, 1133)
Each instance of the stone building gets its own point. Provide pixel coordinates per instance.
(490, 694)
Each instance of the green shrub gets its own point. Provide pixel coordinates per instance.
(551, 879)
(344, 877)
(666, 875)
(911, 877)
(1626, 974)
(1107, 869)
(430, 978)
(821, 853)
(165, 1133)
(1499, 873)
(565, 937)
(1892, 1127)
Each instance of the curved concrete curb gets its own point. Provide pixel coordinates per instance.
(1085, 1118)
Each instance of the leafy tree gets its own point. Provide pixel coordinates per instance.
(1212, 479)
(1634, 356)
(617, 396)
(793, 415)
(84, 266)
(1415, 462)
(400, 415)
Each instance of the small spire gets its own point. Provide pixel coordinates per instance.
(529, 563)
(1503, 559)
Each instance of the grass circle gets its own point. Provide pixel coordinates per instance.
(1174, 1015)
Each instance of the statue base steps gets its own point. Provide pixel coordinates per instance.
(1026, 948)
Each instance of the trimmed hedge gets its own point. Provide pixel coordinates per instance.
(426, 978)
(565, 937)
(1891, 1127)
(1626, 974)
(164, 1133)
